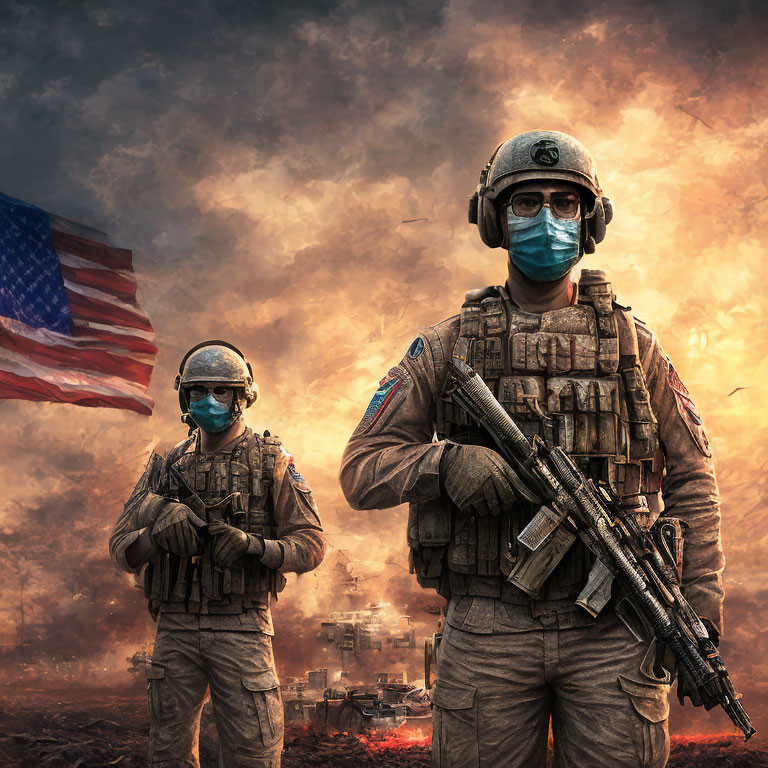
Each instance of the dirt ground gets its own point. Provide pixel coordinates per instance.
(100, 730)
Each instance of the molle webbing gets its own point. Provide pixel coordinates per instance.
(578, 365)
(196, 583)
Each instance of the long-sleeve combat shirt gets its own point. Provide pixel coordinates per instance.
(299, 545)
(393, 458)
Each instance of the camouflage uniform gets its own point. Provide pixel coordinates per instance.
(214, 625)
(508, 662)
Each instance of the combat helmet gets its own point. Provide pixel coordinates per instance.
(538, 155)
(215, 361)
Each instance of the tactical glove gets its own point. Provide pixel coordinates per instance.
(230, 544)
(174, 532)
(687, 687)
(477, 479)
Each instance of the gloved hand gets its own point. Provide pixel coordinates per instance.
(230, 544)
(477, 479)
(173, 531)
(686, 687)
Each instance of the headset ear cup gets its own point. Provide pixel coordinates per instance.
(483, 212)
(472, 212)
(183, 404)
(488, 224)
(601, 219)
(608, 209)
(598, 224)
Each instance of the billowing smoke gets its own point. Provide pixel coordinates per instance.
(261, 160)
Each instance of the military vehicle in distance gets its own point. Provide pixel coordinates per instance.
(357, 710)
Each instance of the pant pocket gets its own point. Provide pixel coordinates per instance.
(454, 725)
(155, 679)
(265, 690)
(651, 703)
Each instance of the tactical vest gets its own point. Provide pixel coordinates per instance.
(195, 584)
(571, 376)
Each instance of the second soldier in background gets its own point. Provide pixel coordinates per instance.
(217, 522)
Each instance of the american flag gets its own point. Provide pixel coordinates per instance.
(71, 330)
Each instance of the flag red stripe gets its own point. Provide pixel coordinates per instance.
(69, 358)
(122, 286)
(101, 312)
(13, 387)
(130, 343)
(114, 258)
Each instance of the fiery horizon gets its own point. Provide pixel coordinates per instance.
(297, 184)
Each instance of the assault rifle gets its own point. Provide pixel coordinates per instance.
(229, 510)
(571, 506)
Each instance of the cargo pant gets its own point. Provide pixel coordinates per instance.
(495, 695)
(247, 707)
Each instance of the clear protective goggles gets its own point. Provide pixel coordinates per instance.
(563, 205)
(222, 393)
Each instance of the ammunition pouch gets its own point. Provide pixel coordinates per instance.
(233, 488)
(570, 376)
(429, 533)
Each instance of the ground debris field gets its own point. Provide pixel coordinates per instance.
(41, 730)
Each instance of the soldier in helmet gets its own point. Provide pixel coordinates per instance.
(576, 368)
(215, 524)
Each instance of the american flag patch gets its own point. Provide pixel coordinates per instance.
(688, 411)
(293, 472)
(388, 388)
(71, 330)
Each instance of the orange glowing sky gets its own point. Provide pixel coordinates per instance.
(261, 174)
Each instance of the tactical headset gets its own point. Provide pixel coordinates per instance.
(486, 214)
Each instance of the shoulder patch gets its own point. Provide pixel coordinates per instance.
(416, 348)
(382, 397)
(293, 472)
(688, 411)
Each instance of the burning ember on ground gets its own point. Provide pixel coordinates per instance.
(400, 739)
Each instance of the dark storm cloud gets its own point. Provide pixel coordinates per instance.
(116, 114)
(260, 157)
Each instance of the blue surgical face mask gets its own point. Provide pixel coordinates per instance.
(543, 247)
(211, 415)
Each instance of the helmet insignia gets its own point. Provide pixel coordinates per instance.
(545, 152)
